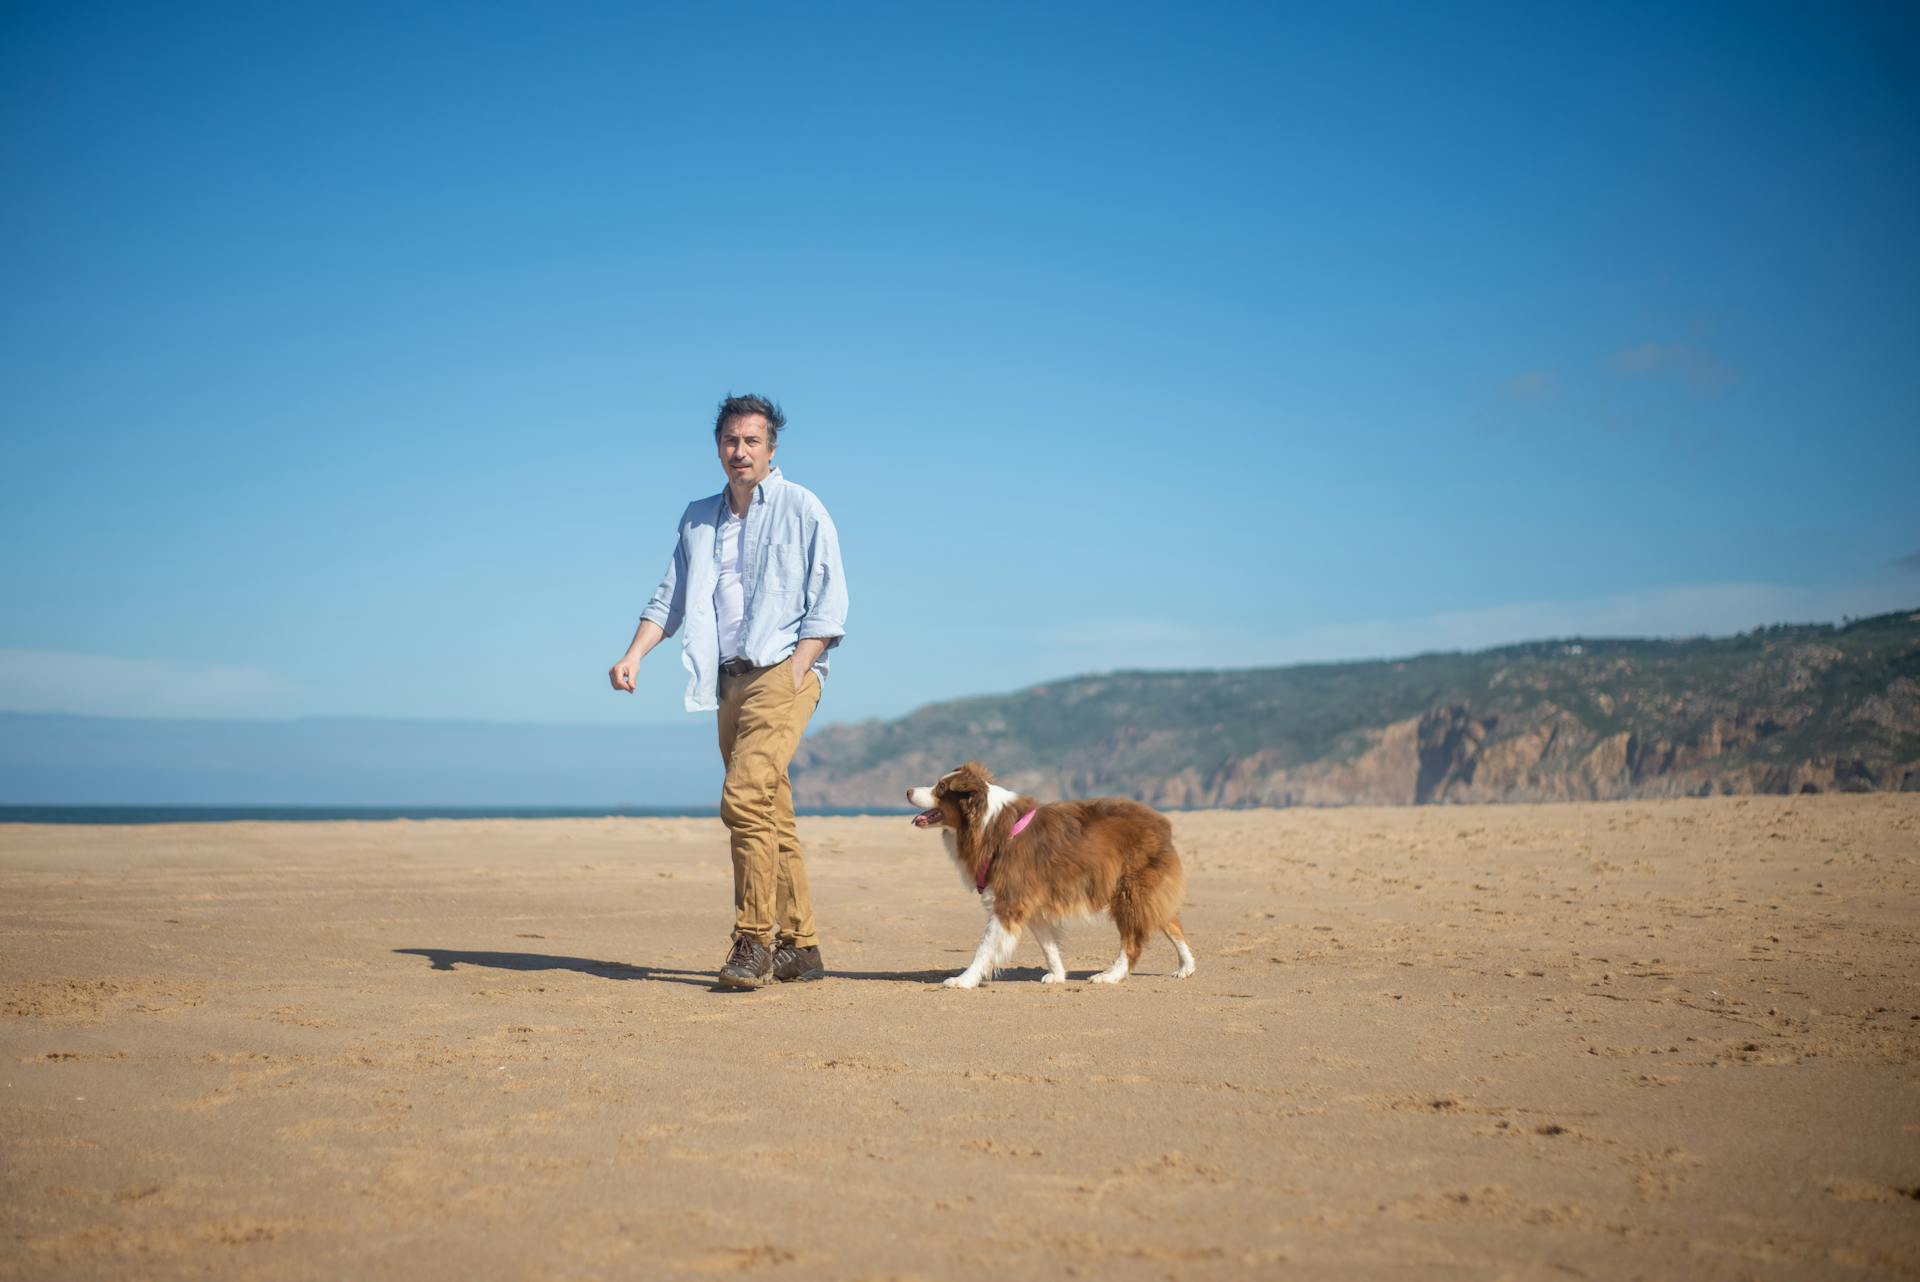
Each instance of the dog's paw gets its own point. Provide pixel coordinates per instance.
(1106, 977)
(1051, 978)
(960, 981)
(1183, 972)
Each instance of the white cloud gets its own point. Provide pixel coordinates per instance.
(113, 686)
(1534, 385)
(1689, 362)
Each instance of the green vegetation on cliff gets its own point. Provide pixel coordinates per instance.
(1786, 708)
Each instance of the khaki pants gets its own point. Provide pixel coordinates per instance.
(761, 720)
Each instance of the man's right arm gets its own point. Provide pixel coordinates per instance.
(658, 621)
(648, 635)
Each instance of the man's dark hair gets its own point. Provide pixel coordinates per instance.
(737, 406)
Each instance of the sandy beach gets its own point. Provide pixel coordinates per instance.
(1672, 1039)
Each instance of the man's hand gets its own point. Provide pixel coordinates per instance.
(802, 661)
(645, 637)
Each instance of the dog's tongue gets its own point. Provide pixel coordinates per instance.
(927, 818)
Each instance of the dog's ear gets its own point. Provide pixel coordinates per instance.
(959, 781)
(973, 806)
(967, 786)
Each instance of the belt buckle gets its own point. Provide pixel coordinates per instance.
(736, 667)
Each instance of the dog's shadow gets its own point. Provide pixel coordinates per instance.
(448, 958)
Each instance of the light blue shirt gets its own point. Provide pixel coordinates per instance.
(794, 585)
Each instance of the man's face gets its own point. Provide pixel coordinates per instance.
(745, 451)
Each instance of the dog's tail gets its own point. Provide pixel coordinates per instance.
(1161, 887)
(1149, 901)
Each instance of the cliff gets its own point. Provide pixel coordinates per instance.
(1784, 709)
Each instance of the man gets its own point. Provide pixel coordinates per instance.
(756, 583)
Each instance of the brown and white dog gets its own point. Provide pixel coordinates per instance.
(1037, 866)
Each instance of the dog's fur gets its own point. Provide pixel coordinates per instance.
(1074, 859)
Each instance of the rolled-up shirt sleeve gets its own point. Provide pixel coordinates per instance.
(826, 599)
(669, 604)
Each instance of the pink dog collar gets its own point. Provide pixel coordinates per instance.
(1019, 826)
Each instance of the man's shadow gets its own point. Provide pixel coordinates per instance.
(448, 958)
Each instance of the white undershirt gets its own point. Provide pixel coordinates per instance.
(729, 599)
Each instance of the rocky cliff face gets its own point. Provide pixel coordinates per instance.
(1784, 710)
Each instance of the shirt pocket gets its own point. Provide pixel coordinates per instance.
(786, 569)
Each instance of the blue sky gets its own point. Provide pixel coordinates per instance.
(358, 359)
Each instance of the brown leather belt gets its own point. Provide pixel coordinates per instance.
(736, 667)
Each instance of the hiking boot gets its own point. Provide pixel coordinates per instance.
(792, 964)
(749, 964)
